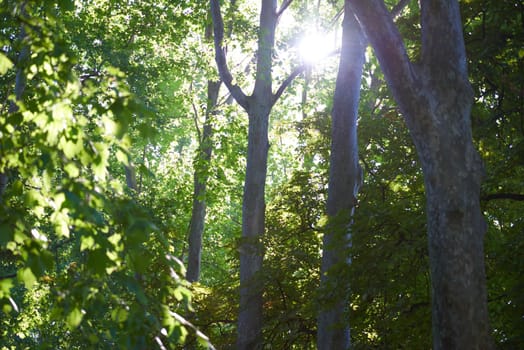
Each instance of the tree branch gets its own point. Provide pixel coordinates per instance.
(385, 38)
(13, 275)
(510, 196)
(195, 115)
(220, 56)
(295, 73)
(283, 7)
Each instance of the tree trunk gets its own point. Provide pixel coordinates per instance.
(258, 106)
(455, 231)
(201, 175)
(344, 181)
(253, 205)
(20, 84)
(130, 173)
(435, 98)
(253, 225)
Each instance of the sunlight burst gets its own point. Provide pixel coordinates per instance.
(313, 47)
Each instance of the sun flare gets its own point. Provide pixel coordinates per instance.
(315, 46)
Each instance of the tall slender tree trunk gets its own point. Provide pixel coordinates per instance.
(200, 178)
(253, 205)
(344, 181)
(258, 106)
(435, 98)
(20, 84)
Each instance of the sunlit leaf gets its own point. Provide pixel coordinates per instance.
(74, 318)
(86, 242)
(5, 64)
(72, 170)
(27, 277)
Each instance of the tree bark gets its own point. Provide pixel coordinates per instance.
(200, 178)
(435, 98)
(344, 181)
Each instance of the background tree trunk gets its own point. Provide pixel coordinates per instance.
(344, 181)
(435, 98)
(130, 173)
(20, 83)
(200, 177)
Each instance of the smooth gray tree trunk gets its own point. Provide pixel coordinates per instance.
(344, 181)
(200, 178)
(435, 98)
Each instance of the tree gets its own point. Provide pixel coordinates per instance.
(258, 105)
(435, 98)
(345, 176)
(200, 178)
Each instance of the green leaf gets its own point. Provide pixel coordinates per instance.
(87, 242)
(5, 64)
(122, 157)
(98, 261)
(5, 287)
(119, 315)
(136, 289)
(71, 149)
(74, 318)
(202, 339)
(66, 5)
(72, 170)
(27, 277)
(141, 260)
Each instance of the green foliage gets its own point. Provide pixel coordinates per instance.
(389, 275)
(86, 261)
(292, 262)
(86, 265)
